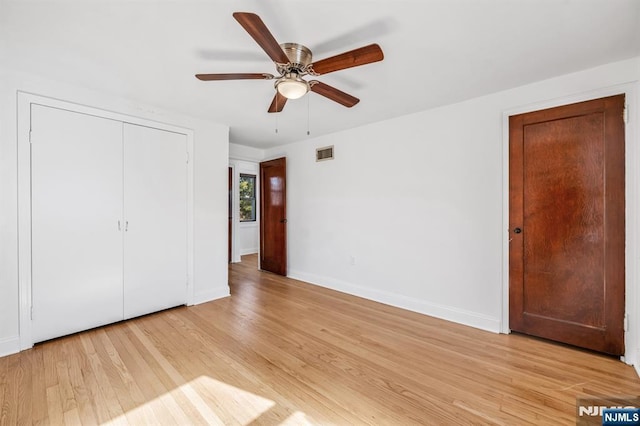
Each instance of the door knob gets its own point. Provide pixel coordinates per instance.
(283, 220)
(517, 230)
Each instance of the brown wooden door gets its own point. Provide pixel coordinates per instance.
(273, 216)
(230, 212)
(567, 231)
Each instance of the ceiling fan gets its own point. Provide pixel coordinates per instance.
(294, 61)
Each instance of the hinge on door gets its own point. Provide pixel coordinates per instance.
(187, 157)
(625, 323)
(625, 114)
(29, 135)
(31, 312)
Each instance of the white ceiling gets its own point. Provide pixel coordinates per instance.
(436, 52)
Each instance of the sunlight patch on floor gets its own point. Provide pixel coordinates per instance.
(243, 405)
(296, 419)
(217, 402)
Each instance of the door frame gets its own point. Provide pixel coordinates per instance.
(235, 210)
(632, 209)
(24, 101)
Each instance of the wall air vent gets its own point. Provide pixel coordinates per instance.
(324, 153)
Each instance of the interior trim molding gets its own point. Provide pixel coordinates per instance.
(208, 296)
(9, 346)
(449, 313)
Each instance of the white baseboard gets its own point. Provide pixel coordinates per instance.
(248, 251)
(449, 313)
(9, 346)
(208, 296)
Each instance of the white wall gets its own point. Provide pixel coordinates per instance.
(210, 190)
(248, 153)
(246, 235)
(410, 212)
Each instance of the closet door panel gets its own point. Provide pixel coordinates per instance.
(76, 177)
(155, 211)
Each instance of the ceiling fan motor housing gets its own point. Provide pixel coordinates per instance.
(299, 56)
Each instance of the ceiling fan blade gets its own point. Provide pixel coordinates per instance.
(261, 34)
(277, 104)
(353, 58)
(240, 76)
(334, 94)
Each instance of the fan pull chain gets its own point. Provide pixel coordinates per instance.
(308, 114)
(276, 114)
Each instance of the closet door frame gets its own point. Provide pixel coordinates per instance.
(24, 102)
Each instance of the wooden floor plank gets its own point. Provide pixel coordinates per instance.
(141, 367)
(4, 389)
(22, 375)
(209, 411)
(12, 404)
(128, 391)
(38, 395)
(54, 405)
(65, 388)
(106, 403)
(280, 351)
(82, 390)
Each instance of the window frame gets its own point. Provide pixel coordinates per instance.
(253, 199)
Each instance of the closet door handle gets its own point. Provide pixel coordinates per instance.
(119, 227)
(126, 226)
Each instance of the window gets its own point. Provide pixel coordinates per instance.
(247, 198)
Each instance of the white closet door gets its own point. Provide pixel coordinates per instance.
(76, 176)
(155, 212)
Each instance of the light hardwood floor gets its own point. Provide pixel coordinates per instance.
(280, 351)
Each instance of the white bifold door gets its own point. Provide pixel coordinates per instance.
(76, 206)
(155, 212)
(108, 219)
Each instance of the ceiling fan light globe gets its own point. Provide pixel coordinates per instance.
(292, 88)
